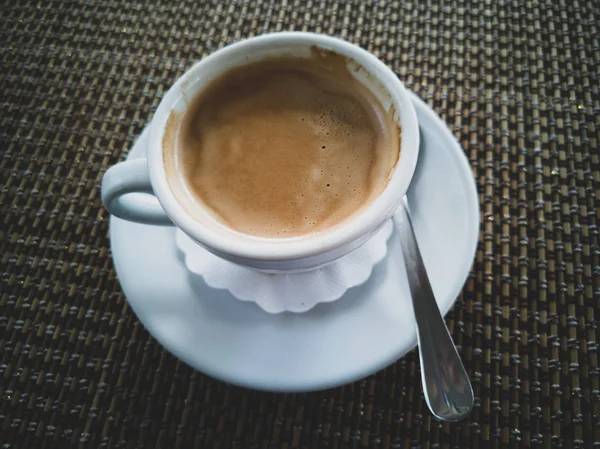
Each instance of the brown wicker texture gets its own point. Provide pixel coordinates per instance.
(517, 83)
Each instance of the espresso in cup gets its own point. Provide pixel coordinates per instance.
(282, 147)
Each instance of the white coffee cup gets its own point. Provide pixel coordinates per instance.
(268, 254)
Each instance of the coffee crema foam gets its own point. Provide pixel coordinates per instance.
(282, 148)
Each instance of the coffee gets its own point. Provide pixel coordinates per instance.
(282, 147)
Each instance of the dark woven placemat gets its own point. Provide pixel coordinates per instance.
(517, 83)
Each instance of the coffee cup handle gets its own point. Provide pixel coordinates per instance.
(131, 177)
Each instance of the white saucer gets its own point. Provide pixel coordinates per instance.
(371, 326)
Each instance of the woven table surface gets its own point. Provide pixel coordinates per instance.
(516, 82)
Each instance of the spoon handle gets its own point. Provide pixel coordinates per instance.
(447, 387)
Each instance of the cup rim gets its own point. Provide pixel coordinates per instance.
(246, 247)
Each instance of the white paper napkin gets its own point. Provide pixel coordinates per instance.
(295, 292)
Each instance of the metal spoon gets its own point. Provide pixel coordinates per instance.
(447, 387)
